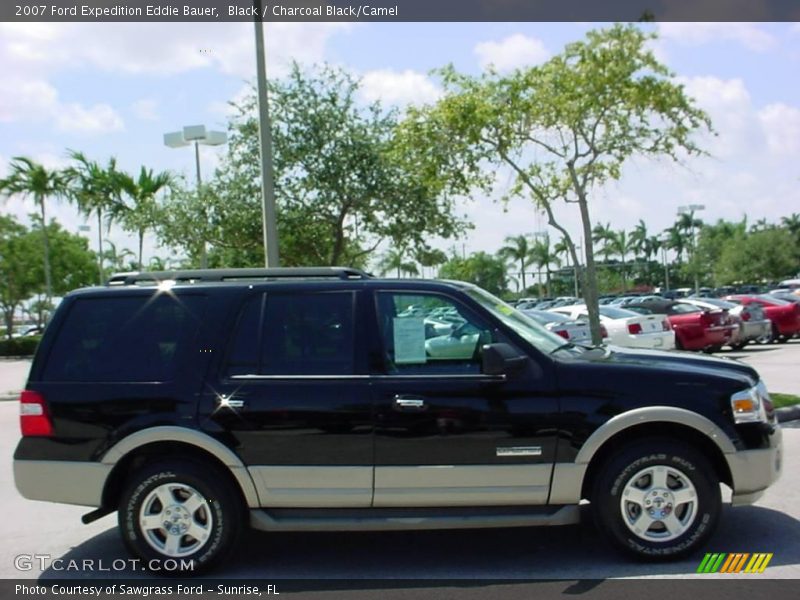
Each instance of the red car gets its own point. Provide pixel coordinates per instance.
(695, 328)
(785, 316)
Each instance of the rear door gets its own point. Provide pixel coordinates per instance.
(446, 434)
(293, 393)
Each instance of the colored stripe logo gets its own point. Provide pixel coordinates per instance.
(736, 562)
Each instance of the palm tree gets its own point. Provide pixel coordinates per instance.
(640, 242)
(29, 178)
(792, 223)
(621, 244)
(394, 260)
(603, 234)
(94, 189)
(518, 251)
(142, 214)
(543, 256)
(676, 240)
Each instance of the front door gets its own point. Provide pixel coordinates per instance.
(446, 434)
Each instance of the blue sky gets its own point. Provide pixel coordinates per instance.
(114, 89)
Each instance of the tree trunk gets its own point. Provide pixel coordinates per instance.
(47, 276)
(141, 244)
(522, 270)
(589, 279)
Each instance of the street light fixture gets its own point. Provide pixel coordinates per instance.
(690, 210)
(197, 135)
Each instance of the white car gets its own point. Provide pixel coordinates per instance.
(628, 328)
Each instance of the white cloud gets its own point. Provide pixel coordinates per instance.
(781, 125)
(97, 119)
(26, 99)
(398, 87)
(729, 105)
(694, 34)
(512, 52)
(161, 48)
(145, 109)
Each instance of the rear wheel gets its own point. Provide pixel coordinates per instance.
(182, 515)
(657, 500)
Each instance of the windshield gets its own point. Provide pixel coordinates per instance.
(522, 324)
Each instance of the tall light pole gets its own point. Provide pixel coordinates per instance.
(577, 266)
(197, 135)
(268, 218)
(690, 210)
(664, 240)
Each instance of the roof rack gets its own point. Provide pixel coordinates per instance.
(222, 275)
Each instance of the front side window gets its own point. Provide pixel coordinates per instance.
(429, 334)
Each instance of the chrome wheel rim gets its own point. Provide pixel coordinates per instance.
(175, 520)
(659, 503)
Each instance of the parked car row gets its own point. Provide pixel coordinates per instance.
(695, 322)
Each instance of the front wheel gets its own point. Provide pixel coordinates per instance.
(657, 500)
(179, 517)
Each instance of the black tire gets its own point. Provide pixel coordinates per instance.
(619, 471)
(738, 345)
(223, 516)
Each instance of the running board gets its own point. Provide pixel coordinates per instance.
(381, 519)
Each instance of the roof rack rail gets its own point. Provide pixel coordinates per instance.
(222, 275)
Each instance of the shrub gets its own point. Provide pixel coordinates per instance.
(21, 346)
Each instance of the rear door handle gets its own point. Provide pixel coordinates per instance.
(406, 403)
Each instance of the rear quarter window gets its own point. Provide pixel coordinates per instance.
(124, 339)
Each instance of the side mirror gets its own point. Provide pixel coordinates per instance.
(501, 359)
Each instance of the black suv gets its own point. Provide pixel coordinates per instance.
(195, 402)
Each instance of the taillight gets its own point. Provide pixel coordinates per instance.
(634, 328)
(603, 331)
(665, 325)
(745, 315)
(563, 333)
(33, 417)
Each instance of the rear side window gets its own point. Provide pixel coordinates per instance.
(124, 339)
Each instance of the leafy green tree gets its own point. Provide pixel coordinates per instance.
(762, 255)
(517, 249)
(343, 182)
(564, 127)
(29, 178)
(430, 258)
(792, 224)
(141, 212)
(480, 268)
(21, 265)
(18, 273)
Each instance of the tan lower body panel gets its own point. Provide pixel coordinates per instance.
(313, 487)
(68, 482)
(461, 485)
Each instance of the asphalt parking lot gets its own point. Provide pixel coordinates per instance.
(564, 553)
